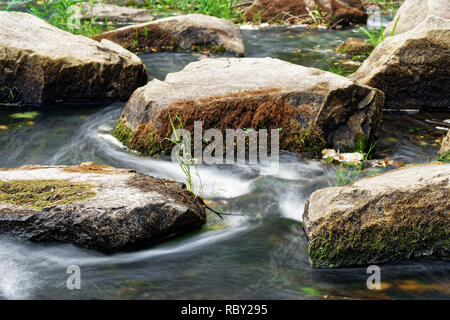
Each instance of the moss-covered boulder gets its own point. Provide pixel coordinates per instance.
(96, 207)
(311, 108)
(41, 64)
(444, 152)
(401, 214)
(412, 68)
(355, 47)
(185, 32)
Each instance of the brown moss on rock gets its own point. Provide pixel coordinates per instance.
(41, 194)
(259, 109)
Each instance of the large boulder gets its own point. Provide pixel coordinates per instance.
(275, 10)
(44, 64)
(401, 214)
(114, 13)
(313, 108)
(413, 68)
(96, 207)
(444, 152)
(186, 32)
(413, 12)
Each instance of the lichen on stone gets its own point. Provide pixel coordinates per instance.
(40, 194)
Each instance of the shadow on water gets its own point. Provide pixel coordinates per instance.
(259, 255)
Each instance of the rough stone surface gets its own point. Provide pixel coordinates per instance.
(413, 68)
(401, 214)
(414, 12)
(128, 209)
(44, 64)
(313, 108)
(114, 13)
(187, 32)
(275, 10)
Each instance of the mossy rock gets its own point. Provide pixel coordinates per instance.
(401, 214)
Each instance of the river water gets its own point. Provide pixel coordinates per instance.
(260, 254)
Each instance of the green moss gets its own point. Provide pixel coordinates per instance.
(311, 140)
(41, 194)
(444, 157)
(123, 133)
(376, 244)
(145, 144)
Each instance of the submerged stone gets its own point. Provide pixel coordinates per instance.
(41, 64)
(413, 68)
(310, 107)
(397, 215)
(185, 32)
(96, 207)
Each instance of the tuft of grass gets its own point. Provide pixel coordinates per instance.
(41, 194)
(184, 158)
(339, 69)
(345, 175)
(375, 37)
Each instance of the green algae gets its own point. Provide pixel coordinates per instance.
(41, 194)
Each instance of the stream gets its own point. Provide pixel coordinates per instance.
(260, 254)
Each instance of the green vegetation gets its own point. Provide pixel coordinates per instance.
(317, 248)
(41, 194)
(377, 242)
(346, 174)
(444, 157)
(184, 157)
(61, 14)
(339, 69)
(25, 115)
(218, 8)
(386, 5)
(375, 37)
(318, 17)
(9, 96)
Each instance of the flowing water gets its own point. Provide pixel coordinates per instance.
(260, 254)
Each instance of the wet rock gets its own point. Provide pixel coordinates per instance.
(114, 13)
(413, 12)
(42, 64)
(96, 207)
(275, 10)
(444, 152)
(401, 214)
(311, 107)
(187, 32)
(355, 47)
(412, 68)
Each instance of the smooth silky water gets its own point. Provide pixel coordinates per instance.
(259, 254)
